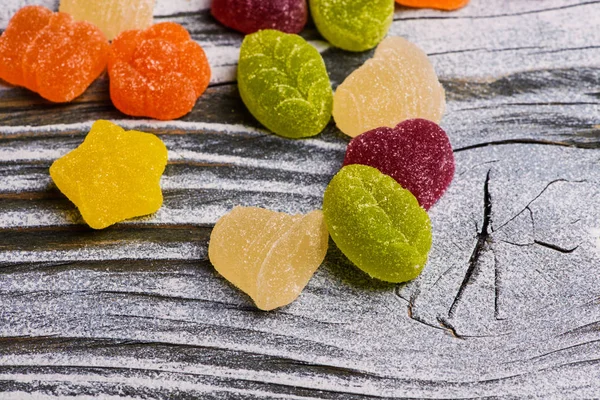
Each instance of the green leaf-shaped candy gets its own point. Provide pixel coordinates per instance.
(284, 83)
(354, 25)
(377, 224)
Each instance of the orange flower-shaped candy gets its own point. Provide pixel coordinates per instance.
(439, 4)
(51, 54)
(159, 72)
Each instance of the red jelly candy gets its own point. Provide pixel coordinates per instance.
(51, 54)
(416, 153)
(249, 16)
(159, 72)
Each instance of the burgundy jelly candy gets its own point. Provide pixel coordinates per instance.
(249, 16)
(416, 153)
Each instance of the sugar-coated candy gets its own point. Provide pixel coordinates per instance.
(354, 25)
(111, 16)
(51, 54)
(113, 175)
(416, 153)
(159, 72)
(249, 16)
(377, 224)
(439, 4)
(398, 83)
(283, 81)
(269, 255)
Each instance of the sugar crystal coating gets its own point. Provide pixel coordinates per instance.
(377, 224)
(398, 83)
(439, 4)
(416, 153)
(51, 54)
(249, 16)
(354, 25)
(113, 175)
(111, 16)
(159, 72)
(269, 255)
(283, 81)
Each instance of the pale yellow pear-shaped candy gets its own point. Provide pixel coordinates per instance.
(397, 84)
(111, 16)
(267, 254)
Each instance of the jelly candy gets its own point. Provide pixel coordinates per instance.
(398, 83)
(440, 4)
(111, 16)
(416, 153)
(249, 16)
(51, 54)
(354, 25)
(113, 175)
(284, 83)
(269, 255)
(159, 72)
(377, 224)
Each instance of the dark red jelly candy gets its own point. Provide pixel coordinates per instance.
(249, 16)
(416, 153)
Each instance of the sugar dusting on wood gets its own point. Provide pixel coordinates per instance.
(136, 311)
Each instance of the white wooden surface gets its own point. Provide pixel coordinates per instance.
(508, 305)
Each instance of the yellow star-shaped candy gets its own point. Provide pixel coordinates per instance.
(113, 175)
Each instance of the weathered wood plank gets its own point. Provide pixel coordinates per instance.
(508, 305)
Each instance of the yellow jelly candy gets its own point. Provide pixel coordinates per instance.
(111, 16)
(267, 254)
(397, 84)
(113, 175)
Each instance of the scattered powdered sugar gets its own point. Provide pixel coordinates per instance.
(174, 7)
(25, 183)
(161, 8)
(130, 250)
(595, 232)
(10, 7)
(343, 320)
(48, 154)
(288, 379)
(202, 180)
(139, 124)
(18, 395)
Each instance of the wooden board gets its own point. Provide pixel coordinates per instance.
(508, 305)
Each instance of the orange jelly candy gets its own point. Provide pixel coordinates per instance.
(159, 72)
(51, 54)
(439, 4)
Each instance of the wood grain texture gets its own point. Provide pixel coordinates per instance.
(507, 307)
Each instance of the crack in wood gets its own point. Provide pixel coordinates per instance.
(527, 207)
(182, 14)
(550, 246)
(482, 238)
(592, 327)
(411, 308)
(517, 244)
(555, 247)
(444, 323)
(522, 141)
(482, 49)
(531, 104)
(224, 83)
(497, 285)
(567, 49)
